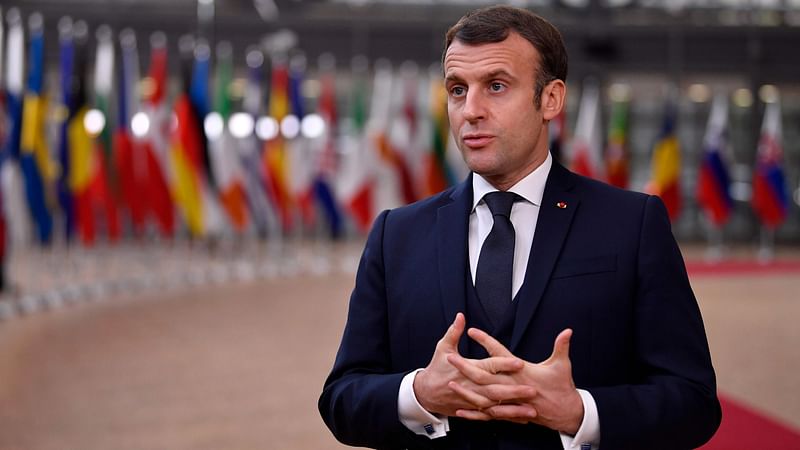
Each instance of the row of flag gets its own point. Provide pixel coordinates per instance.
(181, 165)
(608, 161)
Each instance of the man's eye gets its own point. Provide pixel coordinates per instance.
(457, 91)
(497, 87)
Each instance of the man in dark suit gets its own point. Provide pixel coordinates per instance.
(584, 331)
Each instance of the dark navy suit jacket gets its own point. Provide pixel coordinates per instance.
(606, 266)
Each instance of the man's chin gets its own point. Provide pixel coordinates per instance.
(479, 164)
(484, 170)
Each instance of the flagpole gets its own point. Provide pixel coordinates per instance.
(9, 290)
(9, 295)
(766, 249)
(320, 245)
(7, 310)
(30, 301)
(715, 250)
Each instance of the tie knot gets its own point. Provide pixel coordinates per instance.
(500, 202)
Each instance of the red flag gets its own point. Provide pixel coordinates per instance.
(398, 145)
(713, 183)
(356, 180)
(103, 186)
(770, 199)
(155, 146)
(587, 147)
(274, 149)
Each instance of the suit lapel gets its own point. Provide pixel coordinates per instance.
(555, 216)
(452, 225)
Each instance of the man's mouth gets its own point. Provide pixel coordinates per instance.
(476, 140)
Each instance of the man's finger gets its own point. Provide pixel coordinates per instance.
(450, 339)
(508, 394)
(470, 396)
(494, 387)
(514, 412)
(473, 414)
(501, 364)
(482, 371)
(561, 346)
(492, 346)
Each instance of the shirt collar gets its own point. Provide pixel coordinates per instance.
(530, 188)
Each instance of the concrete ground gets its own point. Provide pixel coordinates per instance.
(240, 366)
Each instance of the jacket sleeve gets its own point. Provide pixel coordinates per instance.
(673, 404)
(359, 398)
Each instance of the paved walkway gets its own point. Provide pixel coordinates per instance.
(239, 365)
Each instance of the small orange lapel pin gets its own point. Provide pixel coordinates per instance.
(561, 205)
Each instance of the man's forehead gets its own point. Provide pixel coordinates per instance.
(506, 55)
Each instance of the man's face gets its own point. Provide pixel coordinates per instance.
(501, 133)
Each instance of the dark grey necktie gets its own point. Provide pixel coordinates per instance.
(496, 262)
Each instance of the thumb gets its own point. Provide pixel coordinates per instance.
(453, 334)
(561, 346)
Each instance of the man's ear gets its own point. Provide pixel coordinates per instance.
(554, 96)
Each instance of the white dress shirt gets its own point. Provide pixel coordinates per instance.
(524, 215)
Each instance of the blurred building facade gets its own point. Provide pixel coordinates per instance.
(642, 53)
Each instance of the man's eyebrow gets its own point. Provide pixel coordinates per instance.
(452, 77)
(499, 73)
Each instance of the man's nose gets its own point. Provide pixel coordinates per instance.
(474, 106)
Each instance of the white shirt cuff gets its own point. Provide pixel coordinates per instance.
(414, 416)
(589, 431)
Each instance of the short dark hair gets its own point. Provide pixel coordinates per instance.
(494, 23)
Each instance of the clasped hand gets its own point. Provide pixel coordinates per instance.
(502, 386)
